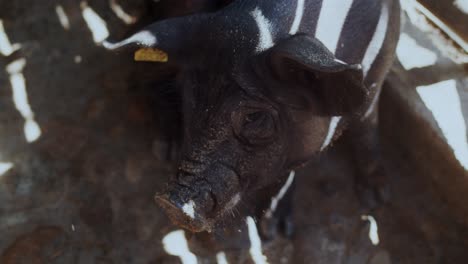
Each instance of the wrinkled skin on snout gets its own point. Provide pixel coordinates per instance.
(233, 146)
(246, 128)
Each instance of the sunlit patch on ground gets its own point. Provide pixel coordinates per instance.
(425, 20)
(32, 131)
(95, 23)
(120, 13)
(6, 48)
(255, 243)
(221, 258)
(4, 167)
(462, 5)
(77, 59)
(62, 16)
(411, 55)
(176, 244)
(444, 102)
(373, 229)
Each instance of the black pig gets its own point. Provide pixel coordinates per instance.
(266, 86)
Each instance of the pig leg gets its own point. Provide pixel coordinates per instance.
(371, 179)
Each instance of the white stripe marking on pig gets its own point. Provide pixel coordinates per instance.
(144, 38)
(6, 48)
(95, 23)
(4, 167)
(331, 20)
(255, 243)
(331, 131)
(298, 17)
(377, 40)
(265, 39)
(221, 258)
(62, 16)
(373, 230)
(189, 209)
(275, 200)
(31, 129)
(176, 244)
(444, 102)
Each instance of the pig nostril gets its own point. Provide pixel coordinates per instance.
(233, 170)
(210, 201)
(215, 201)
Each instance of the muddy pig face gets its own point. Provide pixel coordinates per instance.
(249, 117)
(247, 128)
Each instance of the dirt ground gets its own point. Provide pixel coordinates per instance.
(83, 191)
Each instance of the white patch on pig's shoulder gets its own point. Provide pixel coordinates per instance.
(189, 209)
(265, 40)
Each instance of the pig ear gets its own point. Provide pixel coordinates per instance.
(338, 85)
(167, 40)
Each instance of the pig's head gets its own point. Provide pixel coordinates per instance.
(250, 115)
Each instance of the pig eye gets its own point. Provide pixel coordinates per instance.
(258, 127)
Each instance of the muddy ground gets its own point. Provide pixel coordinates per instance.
(83, 191)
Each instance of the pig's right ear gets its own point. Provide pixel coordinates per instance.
(305, 62)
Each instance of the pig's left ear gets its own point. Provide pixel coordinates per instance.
(306, 62)
(171, 40)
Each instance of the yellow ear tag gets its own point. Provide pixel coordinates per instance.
(150, 54)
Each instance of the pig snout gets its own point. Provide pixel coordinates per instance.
(194, 202)
(189, 212)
